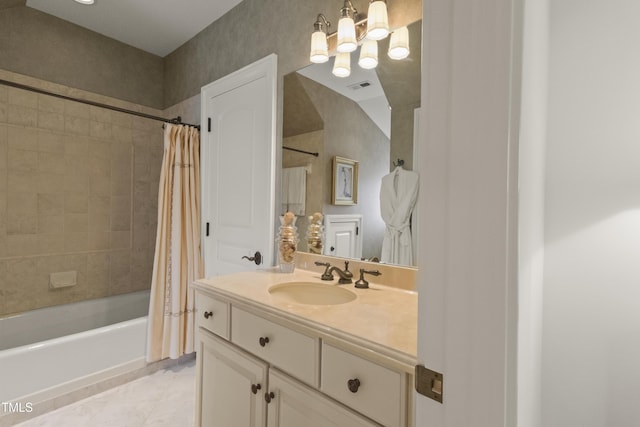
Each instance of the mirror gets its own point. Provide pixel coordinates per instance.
(367, 117)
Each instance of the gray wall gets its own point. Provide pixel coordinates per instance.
(401, 83)
(40, 45)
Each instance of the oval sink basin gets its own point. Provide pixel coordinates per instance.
(311, 293)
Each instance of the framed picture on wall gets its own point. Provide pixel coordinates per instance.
(345, 181)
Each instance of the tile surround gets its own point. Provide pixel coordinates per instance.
(75, 181)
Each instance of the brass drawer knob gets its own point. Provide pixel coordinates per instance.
(263, 341)
(269, 396)
(208, 314)
(255, 388)
(353, 385)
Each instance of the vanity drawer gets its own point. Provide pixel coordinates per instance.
(376, 391)
(212, 314)
(291, 351)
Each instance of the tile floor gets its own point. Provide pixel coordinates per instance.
(164, 398)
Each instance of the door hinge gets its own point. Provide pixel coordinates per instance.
(207, 230)
(209, 124)
(357, 231)
(429, 383)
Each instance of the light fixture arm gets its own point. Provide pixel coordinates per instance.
(348, 8)
(320, 21)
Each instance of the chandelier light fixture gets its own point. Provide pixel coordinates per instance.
(355, 28)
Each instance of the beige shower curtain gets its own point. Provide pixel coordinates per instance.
(177, 260)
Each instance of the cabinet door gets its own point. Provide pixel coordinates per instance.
(294, 405)
(226, 381)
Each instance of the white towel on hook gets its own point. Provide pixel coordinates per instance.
(294, 190)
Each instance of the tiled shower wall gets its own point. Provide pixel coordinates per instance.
(78, 191)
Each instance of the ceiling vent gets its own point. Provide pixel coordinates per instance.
(360, 85)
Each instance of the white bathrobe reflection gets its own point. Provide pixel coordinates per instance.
(398, 195)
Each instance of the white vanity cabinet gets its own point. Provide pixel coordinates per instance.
(258, 368)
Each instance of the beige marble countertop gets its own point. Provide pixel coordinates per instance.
(381, 319)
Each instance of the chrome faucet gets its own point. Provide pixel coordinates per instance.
(345, 275)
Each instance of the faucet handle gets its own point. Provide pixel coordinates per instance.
(362, 283)
(326, 275)
(346, 270)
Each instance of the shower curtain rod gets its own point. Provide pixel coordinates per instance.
(301, 151)
(175, 121)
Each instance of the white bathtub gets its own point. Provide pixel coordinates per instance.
(43, 354)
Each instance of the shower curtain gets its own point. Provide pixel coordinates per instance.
(177, 260)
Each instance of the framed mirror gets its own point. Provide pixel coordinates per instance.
(368, 118)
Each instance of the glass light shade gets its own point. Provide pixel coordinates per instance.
(85, 1)
(399, 44)
(346, 35)
(342, 64)
(368, 54)
(377, 20)
(319, 47)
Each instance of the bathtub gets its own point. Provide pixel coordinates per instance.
(48, 352)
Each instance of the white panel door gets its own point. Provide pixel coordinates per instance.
(238, 117)
(343, 236)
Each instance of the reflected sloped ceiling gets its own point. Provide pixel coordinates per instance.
(299, 115)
